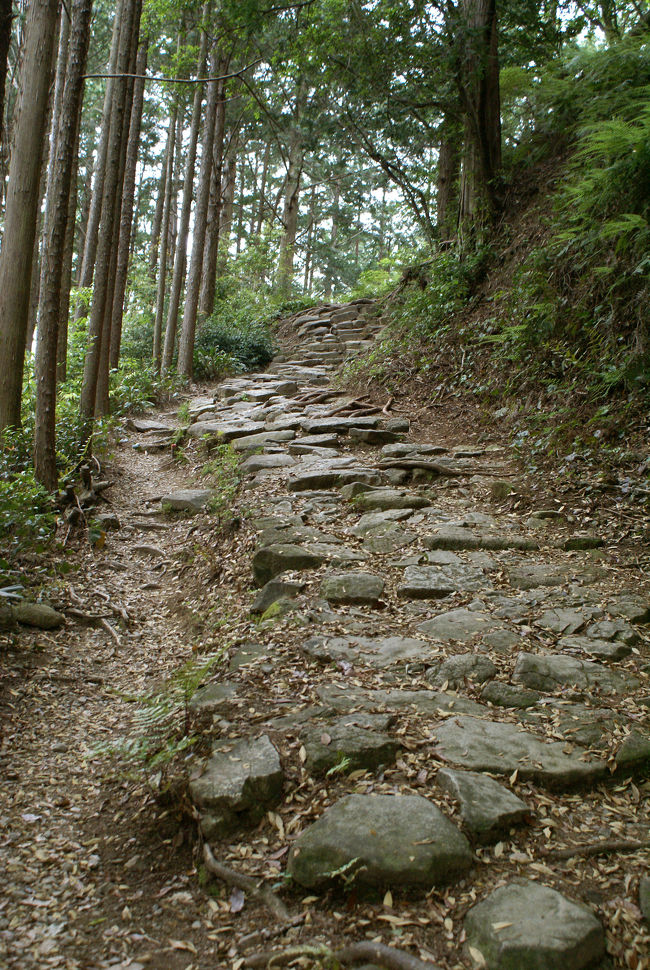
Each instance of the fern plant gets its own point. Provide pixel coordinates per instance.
(161, 727)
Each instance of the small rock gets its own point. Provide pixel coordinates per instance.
(525, 925)
(359, 588)
(505, 695)
(461, 624)
(38, 615)
(107, 521)
(385, 840)
(272, 560)
(212, 698)
(487, 808)
(187, 499)
(274, 590)
(644, 897)
(499, 490)
(347, 742)
(464, 666)
(549, 673)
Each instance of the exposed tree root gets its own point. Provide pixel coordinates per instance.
(247, 883)
(365, 952)
(596, 848)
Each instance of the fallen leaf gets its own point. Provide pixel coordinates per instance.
(388, 900)
(237, 900)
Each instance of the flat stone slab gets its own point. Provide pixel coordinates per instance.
(258, 463)
(526, 925)
(502, 748)
(372, 651)
(280, 557)
(212, 698)
(353, 588)
(436, 582)
(224, 430)
(330, 477)
(338, 425)
(390, 541)
(237, 786)
(535, 575)
(461, 624)
(433, 702)
(602, 649)
(454, 671)
(274, 590)
(316, 441)
(461, 537)
(412, 450)
(486, 807)
(250, 442)
(187, 499)
(378, 522)
(385, 840)
(550, 672)
(374, 436)
(562, 621)
(347, 743)
(145, 425)
(378, 499)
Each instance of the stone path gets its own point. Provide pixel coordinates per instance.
(482, 644)
(428, 700)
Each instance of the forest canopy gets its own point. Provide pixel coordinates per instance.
(175, 176)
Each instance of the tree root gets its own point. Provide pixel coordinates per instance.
(246, 883)
(596, 848)
(427, 466)
(364, 952)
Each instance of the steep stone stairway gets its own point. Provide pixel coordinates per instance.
(450, 702)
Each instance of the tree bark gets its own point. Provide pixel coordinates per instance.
(164, 239)
(128, 197)
(228, 201)
(331, 261)
(6, 18)
(102, 402)
(22, 202)
(113, 120)
(183, 229)
(208, 283)
(56, 220)
(188, 329)
(66, 277)
(479, 91)
(447, 187)
(291, 201)
(89, 256)
(265, 175)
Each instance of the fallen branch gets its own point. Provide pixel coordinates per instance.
(269, 933)
(378, 953)
(596, 848)
(387, 405)
(246, 883)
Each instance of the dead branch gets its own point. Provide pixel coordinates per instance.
(269, 933)
(387, 405)
(606, 847)
(378, 953)
(246, 883)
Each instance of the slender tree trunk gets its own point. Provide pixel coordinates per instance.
(228, 202)
(89, 256)
(265, 175)
(188, 329)
(102, 402)
(310, 237)
(183, 229)
(479, 91)
(253, 215)
(22, 202)
(89, 165)
(208, 283)
(6, 17)
(290, 214)
(126, 219)
(66, 278)
(156, 225)
(331, 261)
(239, 232)
(164, 240)
(176, 187)
(447, 187)
(56, 219)
(125, 16)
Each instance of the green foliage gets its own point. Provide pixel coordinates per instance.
(223, 470)
(26, 510)
(161, 726)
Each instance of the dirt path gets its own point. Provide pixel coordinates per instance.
(399, 632)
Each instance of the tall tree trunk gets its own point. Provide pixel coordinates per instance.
(188, 329)
(6, 17)
(330, 271)
(164, 239)
(56, 219)
(66, 277)
(227, 205)
(447, 186)
(22, 202)
(290, 214)
(125, 16)
(89, 256)
(479, 91)
(183, 229)
(80, 236)
(239, 232)
(176, 188)
(102, 402)
(265, 175)
(310, 237)
(209, 274)
(126, 218)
